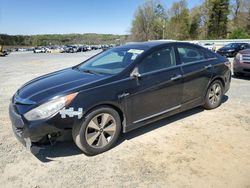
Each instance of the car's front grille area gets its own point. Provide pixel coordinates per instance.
(246, 70)
(246, 58)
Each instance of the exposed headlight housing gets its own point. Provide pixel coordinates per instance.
(49, 108)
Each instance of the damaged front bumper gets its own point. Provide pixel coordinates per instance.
(30, 134)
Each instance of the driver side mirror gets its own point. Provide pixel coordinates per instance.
(135, 73)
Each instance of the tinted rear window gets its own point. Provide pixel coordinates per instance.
(190, 54)
(210, 55)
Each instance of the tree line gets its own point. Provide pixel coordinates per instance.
(60, 39)
(213, 19)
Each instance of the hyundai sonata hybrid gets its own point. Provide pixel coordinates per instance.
(117, 91)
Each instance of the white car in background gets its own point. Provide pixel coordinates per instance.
(39, 50)
(210, 46)
(47, 50)
(42, 50)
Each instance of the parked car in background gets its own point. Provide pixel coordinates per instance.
(94, 47)
(55, 49)
(116, 91)
(70, 49)
(82, 48)
(230, 50)
(106, 47)
(47, 50)
(89, 48)
(31, 49)
(3, 52)
(20, 49)
(241, 64)
(210, 46)
(39, 50)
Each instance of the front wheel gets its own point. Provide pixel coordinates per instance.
(99, 131)
(214, 95)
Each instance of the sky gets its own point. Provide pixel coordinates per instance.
(30, 17)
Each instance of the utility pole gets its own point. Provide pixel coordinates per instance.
(163, 30)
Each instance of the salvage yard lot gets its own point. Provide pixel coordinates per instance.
(197, 148)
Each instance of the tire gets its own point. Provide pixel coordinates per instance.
(214, 95)
(98, 132)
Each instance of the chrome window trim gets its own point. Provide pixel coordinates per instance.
(160, 70)
(176, 66)
(196, 62)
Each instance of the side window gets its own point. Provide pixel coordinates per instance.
(160, 59)
(246, 46)
(189, 54)
(243, 46)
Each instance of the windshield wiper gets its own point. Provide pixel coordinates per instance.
(85, 70)
(89, 71)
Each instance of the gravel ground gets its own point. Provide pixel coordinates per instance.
(197, 148)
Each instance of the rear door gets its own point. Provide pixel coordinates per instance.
(197, 70)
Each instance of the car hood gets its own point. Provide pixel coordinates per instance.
(246, 51)
(57, 83)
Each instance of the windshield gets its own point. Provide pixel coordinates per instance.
(112, 61)
(232, 45)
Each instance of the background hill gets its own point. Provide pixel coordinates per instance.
(60, 39)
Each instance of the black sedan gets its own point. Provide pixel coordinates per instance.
(230, 50)
(117, 91)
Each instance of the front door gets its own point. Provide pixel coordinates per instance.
(157, 89)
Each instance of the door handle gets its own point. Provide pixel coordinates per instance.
(176, 77)
(208, 66)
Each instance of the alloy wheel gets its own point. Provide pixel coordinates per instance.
(215, 92)
(100, 130)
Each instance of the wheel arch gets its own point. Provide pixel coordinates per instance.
(218, 78)
(113, 106)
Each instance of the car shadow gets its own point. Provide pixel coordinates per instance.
(164, 122)
(64, 149)
(60, 149)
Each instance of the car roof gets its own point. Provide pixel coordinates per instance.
(239, 43)
(150, 44)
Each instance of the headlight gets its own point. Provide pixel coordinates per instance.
(49, 108)
(231, 50)
(239, 57)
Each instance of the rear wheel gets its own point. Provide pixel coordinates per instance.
(214, 95)
(99, 131)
